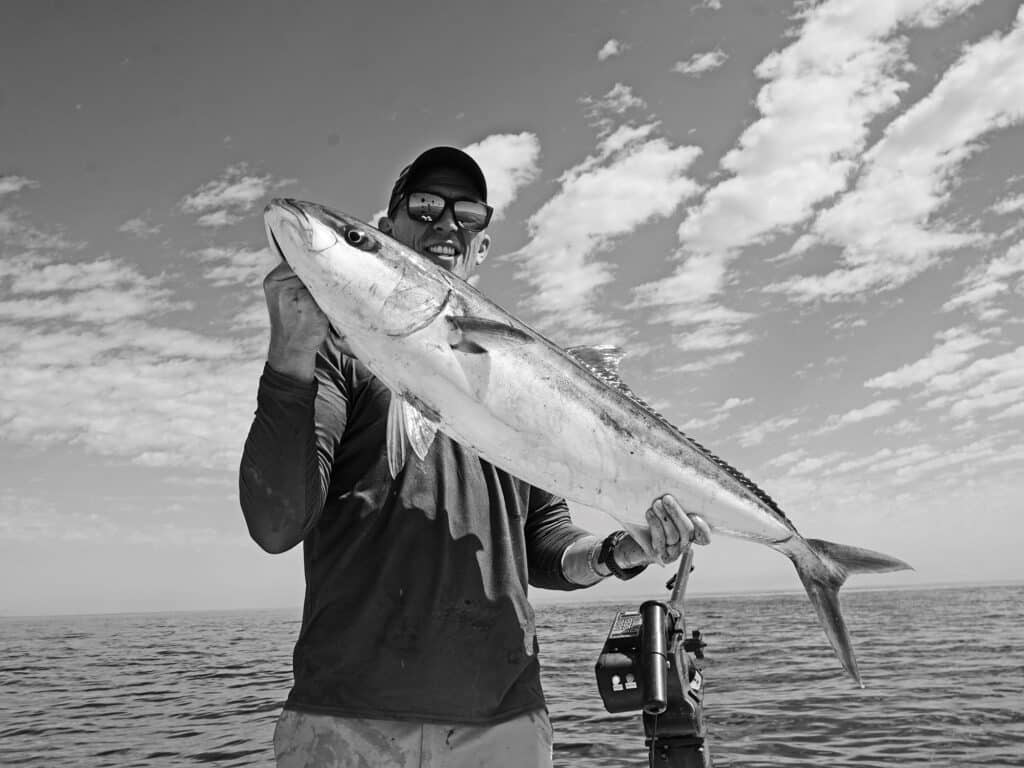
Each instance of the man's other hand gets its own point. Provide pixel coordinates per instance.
(670, 530)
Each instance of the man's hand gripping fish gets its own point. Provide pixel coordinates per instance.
(560, 419)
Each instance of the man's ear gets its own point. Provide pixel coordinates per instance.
(385, 225)
(483, 247)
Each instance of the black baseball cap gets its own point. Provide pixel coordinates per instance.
(432, 159)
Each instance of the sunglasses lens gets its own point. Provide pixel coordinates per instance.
(424, 206)
(471, 215)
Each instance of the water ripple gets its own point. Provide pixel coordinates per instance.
(943, 668)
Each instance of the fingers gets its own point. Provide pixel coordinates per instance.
(659, 539)
(701, 530)
(673, 530)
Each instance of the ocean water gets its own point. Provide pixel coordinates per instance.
(943, 668)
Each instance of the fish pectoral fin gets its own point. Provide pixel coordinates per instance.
(409, 426)
(477, 335)
(420, 429)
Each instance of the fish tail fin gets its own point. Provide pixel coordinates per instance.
(824, 574)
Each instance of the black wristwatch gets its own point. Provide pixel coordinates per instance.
(607, 557)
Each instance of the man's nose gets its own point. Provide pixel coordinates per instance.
(446, 222)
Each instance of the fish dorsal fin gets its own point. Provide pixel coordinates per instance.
(602, 359)
(477, 335)
(409, 426)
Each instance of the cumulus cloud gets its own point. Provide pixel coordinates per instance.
(822, 93)
(632, 178)
(958, 384)
(985, 284)
(719, 414)
(887, 225)
(236, 264)
(11, 184)
(755, 434)
(86, 362)
(954, 350)
(1009, 205)
(509, 162)
(823, 90)
(700, 63)
(139, 227)
(707, 362)
(611, 48)
(857, 415)
(18, 231)
(605, 112)
(235, 192)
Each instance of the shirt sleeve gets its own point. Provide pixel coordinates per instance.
(549, 531)
(288, 455)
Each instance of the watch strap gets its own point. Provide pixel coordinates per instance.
(607, 557)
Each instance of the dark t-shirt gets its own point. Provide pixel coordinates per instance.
(416, 587)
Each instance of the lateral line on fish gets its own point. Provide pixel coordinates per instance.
(617, 385)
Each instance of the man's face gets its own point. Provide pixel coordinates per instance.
(443, 241)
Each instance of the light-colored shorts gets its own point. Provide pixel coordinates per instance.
(305, 740)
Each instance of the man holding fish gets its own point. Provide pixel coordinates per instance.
(417, 644)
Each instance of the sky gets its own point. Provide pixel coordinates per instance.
(802, 221)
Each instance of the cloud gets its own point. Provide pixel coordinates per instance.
(509, 162)
(224, 200)
(97, 291)
(719, 415)
(887, 225)
(706, 363)
(632, 178)
(220, 218)
(605, 112)
(139, 227)
(872, 411)
(901, 427)
(952, 352)
(17, 231)
(86, 363)
(611, 48)
(755, 434)
(987, 283)
(1009, 205)
(158, 396)
(619, 99)
(700, 63)
(815, 464)
(988, 384)
(822, 93)
(957, 385)
(10, 184)
(236, 265)
(735, 402)
(787, 459)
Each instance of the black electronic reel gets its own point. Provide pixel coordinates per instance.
(646, 666)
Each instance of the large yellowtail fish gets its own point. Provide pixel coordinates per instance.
(559, 419)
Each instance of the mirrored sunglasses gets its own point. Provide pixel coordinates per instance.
(470, 215)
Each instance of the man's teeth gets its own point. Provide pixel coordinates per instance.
(442, 250)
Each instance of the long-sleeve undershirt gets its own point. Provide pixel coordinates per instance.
(416, 586)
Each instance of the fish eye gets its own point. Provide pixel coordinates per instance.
(360, 239)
